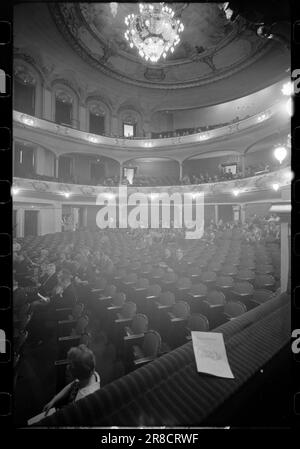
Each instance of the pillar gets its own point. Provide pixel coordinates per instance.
(146, 127)
(84, 217)
(57, 209)
(243, 163)
(20, 222)
(121, 171)
(216, 214)
(47, 104)
(180, 170)
(82, 125)
(285, 256)
(243, 213)
(236, 212)
(114, 126)
(56, 167)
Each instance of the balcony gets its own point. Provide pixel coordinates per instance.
(142, 143)
(272, 181)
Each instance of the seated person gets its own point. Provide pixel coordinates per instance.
(48, 281)
(86, 379)
(64, 293)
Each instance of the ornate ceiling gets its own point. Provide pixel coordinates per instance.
(211, 48)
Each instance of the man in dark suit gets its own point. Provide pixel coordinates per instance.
(64, 294)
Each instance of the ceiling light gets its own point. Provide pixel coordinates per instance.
(280, 153)
(275, 187)
(15, 190)
(28, 120)
(261, 117)
(92, 139)
(236, 192)
(288, 88)
(289, 176)
(203, 136)
(154, 31)
(66, 194)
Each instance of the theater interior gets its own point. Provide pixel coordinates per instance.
(180, 106)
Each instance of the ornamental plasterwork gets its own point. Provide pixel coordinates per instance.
(107, 53)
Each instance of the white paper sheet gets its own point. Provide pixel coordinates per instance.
(210, 354)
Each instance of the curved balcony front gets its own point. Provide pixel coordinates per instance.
(142, 143)
(239, 190)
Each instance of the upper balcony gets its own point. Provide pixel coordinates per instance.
(99, 141)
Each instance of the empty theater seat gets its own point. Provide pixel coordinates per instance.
(152, 392)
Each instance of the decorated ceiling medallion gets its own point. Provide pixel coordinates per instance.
(210, 47)
(154, 32)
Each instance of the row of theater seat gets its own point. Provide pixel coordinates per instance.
(170, 392)
(208, 285)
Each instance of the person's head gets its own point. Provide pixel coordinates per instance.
(82, 362)
(51, 268)
(65, 280)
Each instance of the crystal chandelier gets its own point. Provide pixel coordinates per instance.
(154, 31)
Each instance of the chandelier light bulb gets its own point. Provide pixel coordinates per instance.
(280, 153)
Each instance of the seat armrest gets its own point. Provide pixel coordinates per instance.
(62, 322)
(133, 337)
(97, 290)
(123, 320)
(104, 298)
(114, 308)
(69, 338)
(143, 360)
(164, 307)
(177, 320)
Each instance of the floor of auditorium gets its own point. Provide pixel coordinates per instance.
(36, 381)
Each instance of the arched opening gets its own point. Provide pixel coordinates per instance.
(27, 96)
(65, 105)
(98, 117)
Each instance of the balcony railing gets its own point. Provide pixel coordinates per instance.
(267, 181)
(142, 143)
